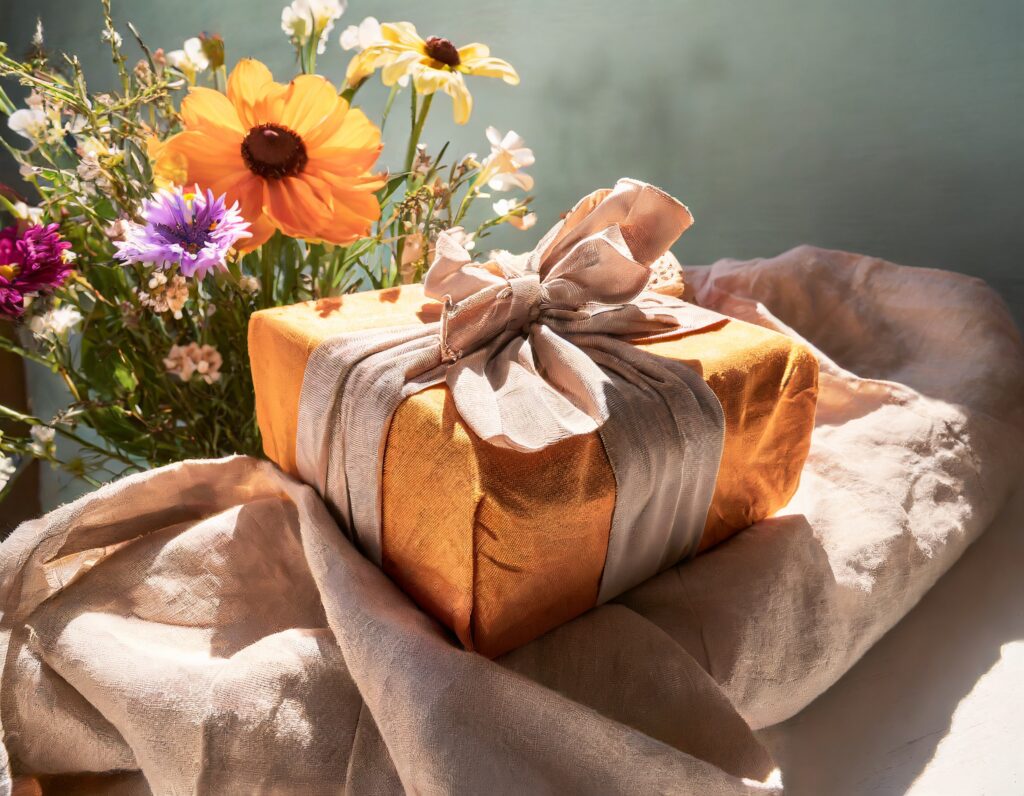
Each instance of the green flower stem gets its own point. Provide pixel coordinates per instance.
(29, 420)
(417, 129)
(387, 105)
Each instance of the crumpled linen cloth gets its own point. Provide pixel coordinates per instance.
(207, 628)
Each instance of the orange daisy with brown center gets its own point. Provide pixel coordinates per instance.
(295, 157)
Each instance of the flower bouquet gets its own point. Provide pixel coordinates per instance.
(167, 212)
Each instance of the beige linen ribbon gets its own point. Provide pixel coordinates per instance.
(534, 350)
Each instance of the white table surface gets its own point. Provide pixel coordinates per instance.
(937, 706)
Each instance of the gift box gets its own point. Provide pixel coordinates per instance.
(501, 542)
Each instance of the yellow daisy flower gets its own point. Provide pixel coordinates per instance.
(434, 64)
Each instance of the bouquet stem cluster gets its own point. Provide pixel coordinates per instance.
(154, 220)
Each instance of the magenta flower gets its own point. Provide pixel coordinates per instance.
(193, 231)
(31, 261)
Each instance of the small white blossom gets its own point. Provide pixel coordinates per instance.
(89, 168)
(55, 323)
(305, 18)
(524, 221)
(43, 445)
(30, 123)
(361, 36)
(249, 284)
(502, 168)
(7, 471)
(190, 60)
(509, 207)
(32, 215)
(112, 36)
(91, 146)
(117, 229)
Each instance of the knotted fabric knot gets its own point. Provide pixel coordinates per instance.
(536, 349)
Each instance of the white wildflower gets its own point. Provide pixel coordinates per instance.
(515, 212)
(117, 229)
(501, 170)
(194, 360)
(524, 221)
(55, 323)
(31, 215)
(112, 36)
(90, 146)
(306, 18)
(190, 60)
(89, 168)
(7, 471)
(361, 36)
(249, 284)
(30, 123)
(43, 445)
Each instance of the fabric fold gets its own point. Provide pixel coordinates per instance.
(532, 356)
(204, 626)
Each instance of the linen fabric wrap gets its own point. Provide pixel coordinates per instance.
(554, 464)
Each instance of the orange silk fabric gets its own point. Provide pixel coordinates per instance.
(502, 546)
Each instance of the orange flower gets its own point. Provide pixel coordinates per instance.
(295, 157)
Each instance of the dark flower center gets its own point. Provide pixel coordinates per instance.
(273, 151)
(443, 50)
(190, 237)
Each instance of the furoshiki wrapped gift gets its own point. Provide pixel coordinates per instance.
(516, 442)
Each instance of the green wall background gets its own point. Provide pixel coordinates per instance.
(890, 128)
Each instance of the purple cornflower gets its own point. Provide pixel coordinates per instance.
(31, 261)
(193, 231)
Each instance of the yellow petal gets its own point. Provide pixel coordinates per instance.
(462, 100)
(208, 158)
(363, 65)
(355, 132)
(473, 52)
(402, 33)
(208, 110)
(299, 206)
(491, 67)
(260, 232)
(255, 95)
(402, 64)
(308, 101)
(427, 80)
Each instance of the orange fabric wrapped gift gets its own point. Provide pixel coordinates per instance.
(548, 437)
(501, 546)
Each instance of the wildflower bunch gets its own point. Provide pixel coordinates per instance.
(155, 219)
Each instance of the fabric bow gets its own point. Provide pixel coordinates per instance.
(533, 352)
(524, 336)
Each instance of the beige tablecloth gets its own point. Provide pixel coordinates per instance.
(206, 627)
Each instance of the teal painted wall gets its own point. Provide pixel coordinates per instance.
(894, 128)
